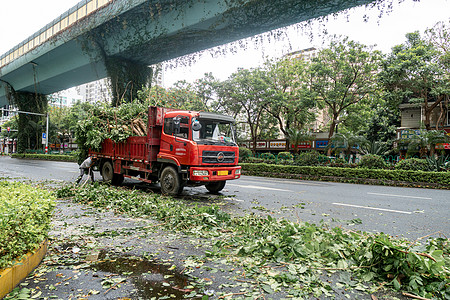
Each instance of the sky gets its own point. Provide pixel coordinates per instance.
(19, 19)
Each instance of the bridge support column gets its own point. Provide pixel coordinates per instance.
(127, 77)
(30, 127)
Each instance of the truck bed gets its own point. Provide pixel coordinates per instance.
(135, 148)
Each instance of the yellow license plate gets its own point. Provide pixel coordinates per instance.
(222, 173)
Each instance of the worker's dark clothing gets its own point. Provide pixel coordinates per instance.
(86, 168)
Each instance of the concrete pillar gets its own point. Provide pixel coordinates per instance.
(127, 77)
(29, 135)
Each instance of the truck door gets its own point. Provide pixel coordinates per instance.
(175, 141)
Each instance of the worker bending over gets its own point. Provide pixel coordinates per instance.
(86, 168)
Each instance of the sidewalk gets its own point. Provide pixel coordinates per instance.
(94, 254)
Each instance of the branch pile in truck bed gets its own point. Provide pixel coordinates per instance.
(116, 123)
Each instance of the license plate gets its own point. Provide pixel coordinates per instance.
(222, 173)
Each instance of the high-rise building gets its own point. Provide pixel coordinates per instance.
(95, 91)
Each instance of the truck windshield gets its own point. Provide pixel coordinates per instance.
(214, 132)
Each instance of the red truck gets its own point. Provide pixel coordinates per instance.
(181, 148)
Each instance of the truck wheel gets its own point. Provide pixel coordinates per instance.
(215, 187)
(108, 174)
(170, 182)
(107, 171)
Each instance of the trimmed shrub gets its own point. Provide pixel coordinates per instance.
(311, 158)
(254, 160)
(55, 157)
(25, 216)
(353, 175)
(413, 164)
(244, 154)
(372, 161)
(268, 158)
(285, 156)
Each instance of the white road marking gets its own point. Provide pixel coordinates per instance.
(258, 187)
(374, 208)
(400, 196)
(285, 182)
(233, 199)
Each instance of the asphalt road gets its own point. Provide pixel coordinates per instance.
(406, 212)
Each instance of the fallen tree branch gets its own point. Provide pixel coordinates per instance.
(418, 253)
(232, 294)
(414, 296)
(114, 286)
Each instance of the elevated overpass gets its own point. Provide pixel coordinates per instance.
(100, 38)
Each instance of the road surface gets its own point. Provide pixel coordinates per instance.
(406, 212)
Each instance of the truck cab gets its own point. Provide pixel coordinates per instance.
(200, 149)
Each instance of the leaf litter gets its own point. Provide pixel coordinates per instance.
(249, 257)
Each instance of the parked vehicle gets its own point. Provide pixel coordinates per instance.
(181, 148)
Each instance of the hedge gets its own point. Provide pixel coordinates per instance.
(351, 175)
(25, 216)
(55, 157)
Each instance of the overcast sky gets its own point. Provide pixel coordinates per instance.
(21, 18)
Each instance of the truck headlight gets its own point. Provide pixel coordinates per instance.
(200, 173)
(238, 172)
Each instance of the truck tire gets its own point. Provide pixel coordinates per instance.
(215, 187)
(170, 182)
(108, 174)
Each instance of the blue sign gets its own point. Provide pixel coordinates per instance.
(44, 135)
(321, 144)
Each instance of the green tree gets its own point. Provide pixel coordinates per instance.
(412, 74)
(289, 98)
(205, 89)
(182, 93)
(439, 37)
(342, 76)
(382, 124)
(243, 93)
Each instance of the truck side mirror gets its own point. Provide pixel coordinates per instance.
(196, 126)
(176, 125)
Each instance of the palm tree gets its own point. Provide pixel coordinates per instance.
(296, 136)
(347, 141)
(374, 147)
(427, 140)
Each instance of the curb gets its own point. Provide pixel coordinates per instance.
(11, 277)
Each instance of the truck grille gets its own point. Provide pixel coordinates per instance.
(218, 157)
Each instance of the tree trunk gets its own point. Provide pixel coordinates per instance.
(432, 150)
(441, 115)
(427, 122)
(331, 133)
